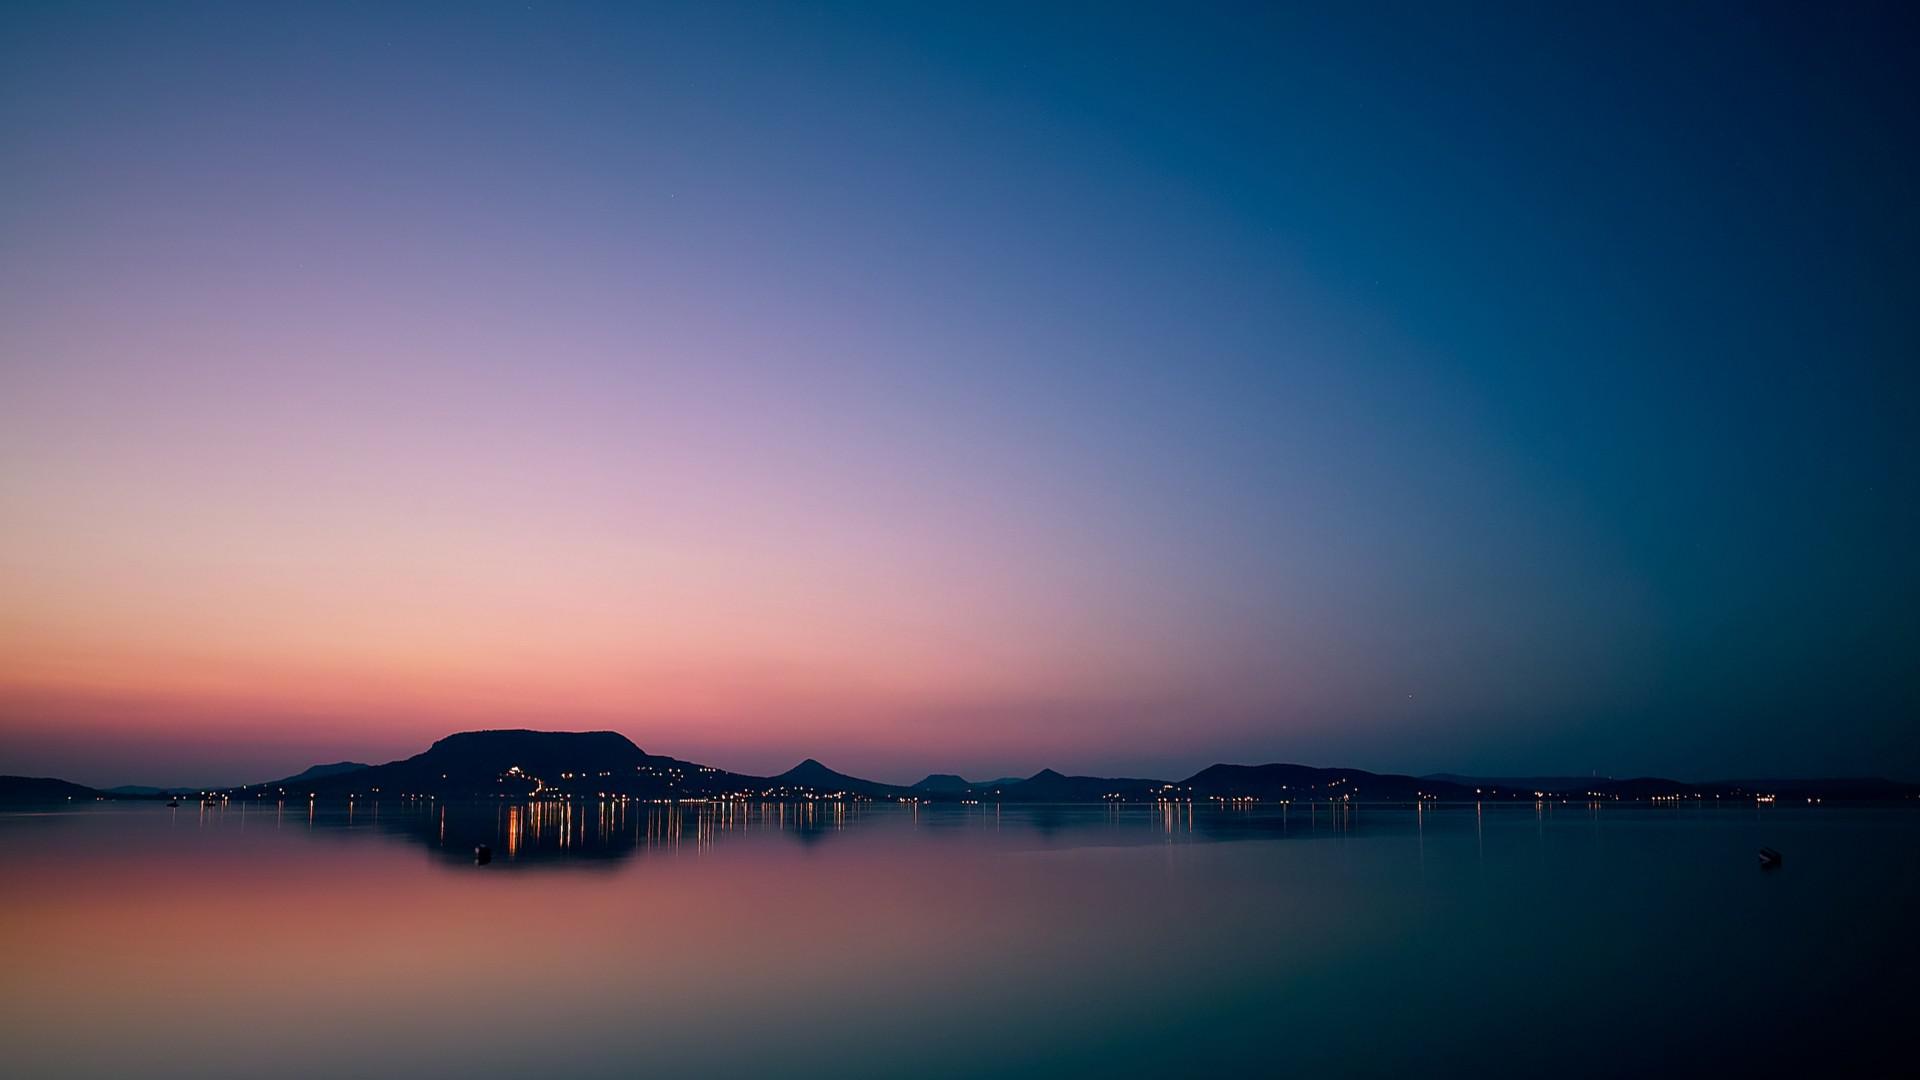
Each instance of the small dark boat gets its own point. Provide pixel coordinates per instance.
(1769, 858)
(173, 802)
(482, 854)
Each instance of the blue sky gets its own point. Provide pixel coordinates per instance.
(1410, 386)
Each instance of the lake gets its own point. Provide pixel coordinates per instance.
(946, 941)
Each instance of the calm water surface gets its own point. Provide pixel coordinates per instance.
(956, 941)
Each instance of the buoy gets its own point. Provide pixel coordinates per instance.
(482, 854)
(1769, 858)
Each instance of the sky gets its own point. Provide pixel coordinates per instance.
(964, 388)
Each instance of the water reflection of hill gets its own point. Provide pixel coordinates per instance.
(583, 833)
(603, 833)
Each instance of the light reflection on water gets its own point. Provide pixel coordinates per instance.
(864, 939)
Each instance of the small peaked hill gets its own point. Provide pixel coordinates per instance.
(1049, 785)
(812, 776)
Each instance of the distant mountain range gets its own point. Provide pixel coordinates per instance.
(523, 764)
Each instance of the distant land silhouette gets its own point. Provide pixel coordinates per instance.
(43, 789)
(521, 764)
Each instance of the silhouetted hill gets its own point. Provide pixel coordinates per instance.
(1050, 786)
(534, 751)
(316, 772)
(812, 778)
(943, 784)
(517, 763)
(27, 790)
(1304, 782)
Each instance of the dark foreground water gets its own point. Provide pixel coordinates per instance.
(958, 941)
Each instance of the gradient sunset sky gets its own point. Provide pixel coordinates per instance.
(961, 387)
